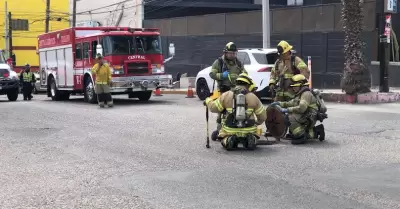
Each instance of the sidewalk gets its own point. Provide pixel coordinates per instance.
(335, 95)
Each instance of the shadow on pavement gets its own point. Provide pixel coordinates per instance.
(117, 102)
(260, 151)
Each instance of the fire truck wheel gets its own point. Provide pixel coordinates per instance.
(12, 95)
(56, 95)
(90, 95)
(144, 96)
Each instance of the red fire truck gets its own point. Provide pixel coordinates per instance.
(134, 54)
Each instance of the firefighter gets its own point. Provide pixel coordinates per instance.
(27, 79)
(240, 125)
(225, 71)
(285, 67)
(303, 111)
(103, 81)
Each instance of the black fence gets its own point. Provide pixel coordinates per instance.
(194, 53)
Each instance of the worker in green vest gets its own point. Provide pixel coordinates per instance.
(27, 79)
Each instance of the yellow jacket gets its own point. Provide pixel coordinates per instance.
(103, 73)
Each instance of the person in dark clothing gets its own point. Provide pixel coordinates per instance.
(28, 80)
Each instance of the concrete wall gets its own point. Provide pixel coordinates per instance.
(326, 18)
(109, 14)
(394, 74)
(194, 53)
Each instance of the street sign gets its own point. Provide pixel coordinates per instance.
(391, 6)
(388, 26)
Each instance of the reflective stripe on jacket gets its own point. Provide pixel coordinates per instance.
(255, 109)
(27, 77)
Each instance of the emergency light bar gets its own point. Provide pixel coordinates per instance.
(109, 29)
(143, 29)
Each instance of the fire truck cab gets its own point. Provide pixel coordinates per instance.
(135, 56)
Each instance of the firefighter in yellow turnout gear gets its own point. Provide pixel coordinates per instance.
(303, 111)
(225, 70)
(103, 81)
(244, 112)
(285, 67)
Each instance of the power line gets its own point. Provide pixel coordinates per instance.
(103, 7)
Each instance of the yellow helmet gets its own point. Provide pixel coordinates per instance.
(283, 47)
(243, 77)
(253, 87)
(299, 80)
(230, 47)
(99, 56)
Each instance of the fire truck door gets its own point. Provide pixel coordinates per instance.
(61, 70)
(69, 67)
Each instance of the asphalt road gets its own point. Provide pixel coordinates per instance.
(137, 155)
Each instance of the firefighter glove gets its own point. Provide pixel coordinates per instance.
(275, 104)
(225, 74)
(271, 87)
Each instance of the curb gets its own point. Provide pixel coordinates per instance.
(367, 98)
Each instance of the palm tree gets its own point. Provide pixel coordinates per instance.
(356, 76)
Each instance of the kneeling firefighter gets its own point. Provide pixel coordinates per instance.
(304, 110)
(239, 105)
(103, 81)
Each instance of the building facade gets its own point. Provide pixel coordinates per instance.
(315, 31)
(129, 13)
(27, 22)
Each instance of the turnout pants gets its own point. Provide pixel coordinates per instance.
(103, 94)
(27, 90)
(301, 125)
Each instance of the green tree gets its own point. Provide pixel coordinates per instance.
(356, 76)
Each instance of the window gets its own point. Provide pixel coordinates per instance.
(124, 45)
(148, 44)
(86, 47)
(20, 24)
(244, 58)
(2, 57)
(94, 46)
(265, 59)
(118, 45)
(78, 51)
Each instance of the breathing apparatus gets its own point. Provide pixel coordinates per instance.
(239, 102)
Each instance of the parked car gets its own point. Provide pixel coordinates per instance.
(257, 62)
(9, 82)
(36, 87)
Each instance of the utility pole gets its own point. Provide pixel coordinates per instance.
(266, 24)
(139, 14)
(10, 45)
(73, 13)
(6, 27)
(47, 15)
(385, 9)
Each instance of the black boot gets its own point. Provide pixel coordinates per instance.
(267, 134)
(251, 142)
(319, 132)
(299, 140)
(230, 143)
(214, 135)
(289, 136)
